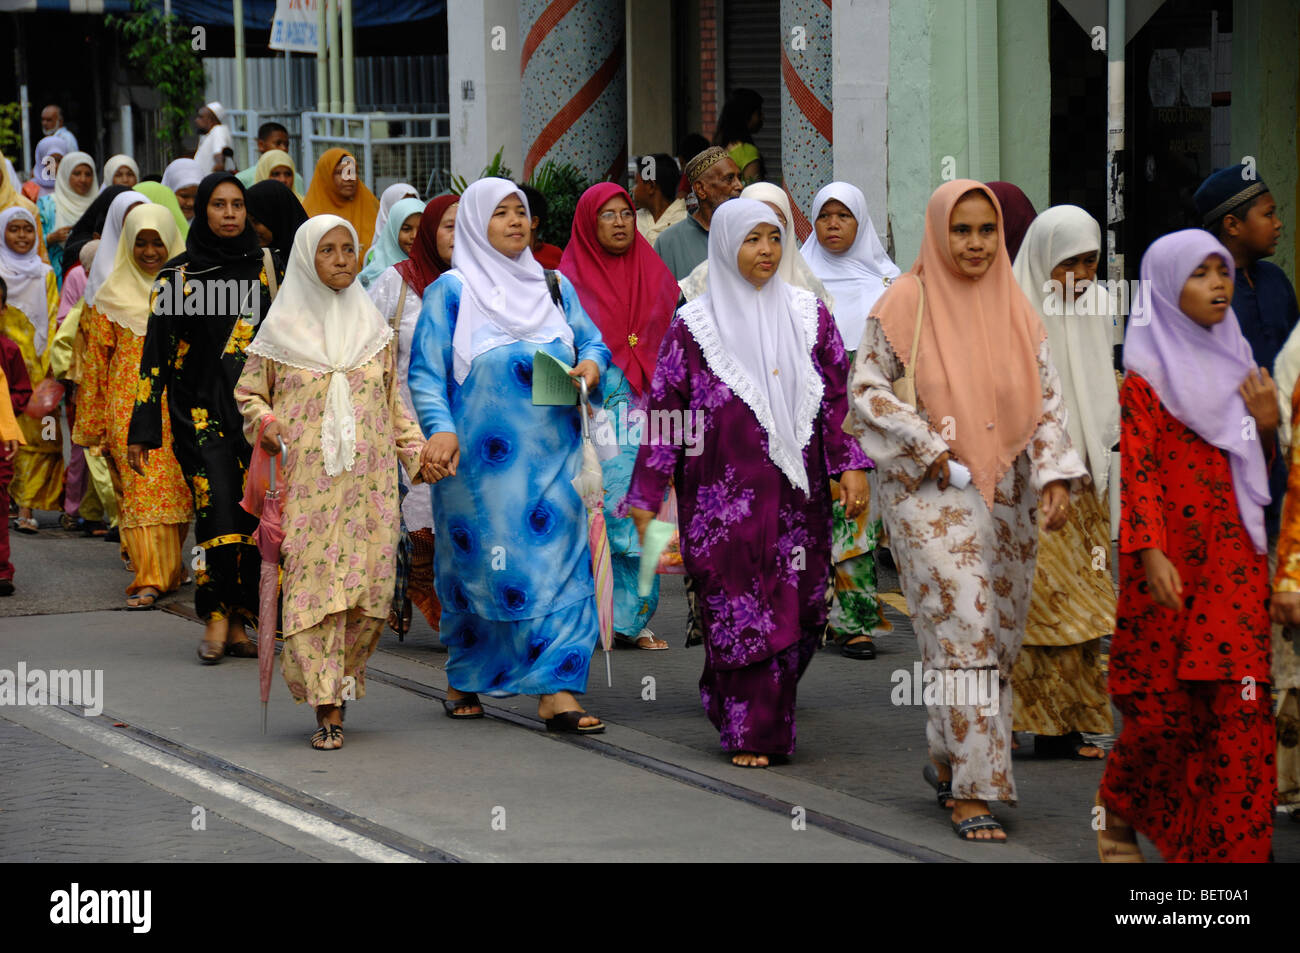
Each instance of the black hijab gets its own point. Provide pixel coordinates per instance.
(204, 248)
(89, 225)
(275, 206)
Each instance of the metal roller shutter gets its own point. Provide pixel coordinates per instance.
(751, 51)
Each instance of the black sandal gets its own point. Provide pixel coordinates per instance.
(943, 788)
(980, 822)
(319, 738)
(470, 700)
(336, 735)
(1065, 746)
(567, 722)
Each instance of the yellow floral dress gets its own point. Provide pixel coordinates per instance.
(38, 465)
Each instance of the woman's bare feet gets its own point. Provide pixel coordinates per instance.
(329, 731)
(548, 706)
(749, 759)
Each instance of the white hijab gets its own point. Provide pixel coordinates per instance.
(68, 205)
(115, 163)
(792, 269)
(106, 254)
(1079, 333)
(181, 174)
(503, 300)
(759, 341)
(858, 275)
(390, 197)
(312, 327)
(1286, 372)
(25, 277)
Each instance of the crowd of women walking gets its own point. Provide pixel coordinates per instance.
(388, 358)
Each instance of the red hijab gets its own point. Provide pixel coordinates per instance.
(424, 267)
(1017, 213)
(630, 297)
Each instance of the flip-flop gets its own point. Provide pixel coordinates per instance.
(567, 722)
(470, 700)
(145, 599)
(27, 525)
(980, 822)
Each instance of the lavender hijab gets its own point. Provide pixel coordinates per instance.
(1196, 371)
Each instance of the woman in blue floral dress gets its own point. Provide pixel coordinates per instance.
(514, 575)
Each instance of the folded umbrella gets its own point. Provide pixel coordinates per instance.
(268, 538)
(590, 484)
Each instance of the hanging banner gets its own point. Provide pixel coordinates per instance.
(294, 26)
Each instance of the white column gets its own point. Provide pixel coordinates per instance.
(483, 78)
(860, 81)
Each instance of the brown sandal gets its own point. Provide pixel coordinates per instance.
(244, 648)
(210, 653)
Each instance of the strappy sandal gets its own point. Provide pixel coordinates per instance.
(943, 789)
(567, 722)
(470, 700)
(27, 525)
(980, 822)
(67, 522)
(336, 735)
(321, 738)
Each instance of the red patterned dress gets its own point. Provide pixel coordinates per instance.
(1193, 768)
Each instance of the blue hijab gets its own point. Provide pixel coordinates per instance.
(387, 251)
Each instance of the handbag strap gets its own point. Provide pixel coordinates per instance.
(396, 323)
(910, 371)
(272, 283)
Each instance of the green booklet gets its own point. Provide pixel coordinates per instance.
(552, 385)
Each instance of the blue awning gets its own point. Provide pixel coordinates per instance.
(257, 13)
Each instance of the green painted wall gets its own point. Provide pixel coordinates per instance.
(1025, 98)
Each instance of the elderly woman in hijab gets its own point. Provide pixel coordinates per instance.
(73, 193)
(322, 378)
(30, 319)
(183, 176)
(276, 215)
(845, 252)
(393, 240)
(336, 189)
(1058, 683)
(757, 368)
(155, 507)
(398, 293)
(630, 294)
(206, 309)
(514, 574)
(988, 398)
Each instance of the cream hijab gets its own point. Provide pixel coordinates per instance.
(1078, 332)
(861, 273)
(68, 205)
(503, 300)
(312, 327)
(792, 269)
(759, 341)
(106, 255)
(115, 163)
(124, 297)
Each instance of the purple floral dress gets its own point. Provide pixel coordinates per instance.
(757, 548)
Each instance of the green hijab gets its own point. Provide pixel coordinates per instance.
(159, 194)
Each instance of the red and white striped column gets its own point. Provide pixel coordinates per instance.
(806, 158)
(573, 86)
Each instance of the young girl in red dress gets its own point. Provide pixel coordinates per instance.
(1193, 767)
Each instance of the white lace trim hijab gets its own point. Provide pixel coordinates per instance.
(124, 297)
(503, 300)
(106, 254)
(1078, 333)
(312, 327)
(25, 277)
(68, 205)
(792, 269)
(859, 275)
(759, 341)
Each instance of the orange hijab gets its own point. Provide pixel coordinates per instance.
(979, 345)
(322, 199)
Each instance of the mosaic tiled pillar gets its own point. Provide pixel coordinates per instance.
(574, 86)
(806, 159)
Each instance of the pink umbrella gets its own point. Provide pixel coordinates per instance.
(591, 487)
(269, 537)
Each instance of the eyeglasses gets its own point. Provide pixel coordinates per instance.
(626, 215)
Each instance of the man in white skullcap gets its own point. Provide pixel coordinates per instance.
(214, 145)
